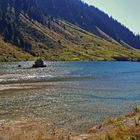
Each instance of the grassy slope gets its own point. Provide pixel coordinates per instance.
(8, 52)
(64, 41)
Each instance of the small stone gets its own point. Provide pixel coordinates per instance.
(94, 129)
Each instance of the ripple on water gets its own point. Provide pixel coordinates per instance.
(69, 94)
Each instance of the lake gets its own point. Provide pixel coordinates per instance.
(76, 95)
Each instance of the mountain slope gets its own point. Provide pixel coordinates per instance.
(8, 52)
(26, 26)
(90, 19)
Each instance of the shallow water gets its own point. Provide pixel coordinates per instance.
(76, 94)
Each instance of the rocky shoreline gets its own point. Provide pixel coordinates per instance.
(126, 127)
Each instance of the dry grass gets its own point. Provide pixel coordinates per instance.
(122, 128)
(31, 130)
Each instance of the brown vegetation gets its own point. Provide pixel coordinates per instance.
(120, 128)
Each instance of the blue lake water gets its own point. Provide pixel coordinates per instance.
(77, 95)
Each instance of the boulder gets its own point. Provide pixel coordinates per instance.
(39, 63)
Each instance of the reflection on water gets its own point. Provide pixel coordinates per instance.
(74, 94)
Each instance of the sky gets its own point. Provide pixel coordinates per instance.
(125, 11)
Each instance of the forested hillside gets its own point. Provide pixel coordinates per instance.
(90, 19)
(37, 32)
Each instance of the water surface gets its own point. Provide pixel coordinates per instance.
(74, 94)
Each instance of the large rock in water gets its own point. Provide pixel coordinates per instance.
(39, 63)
